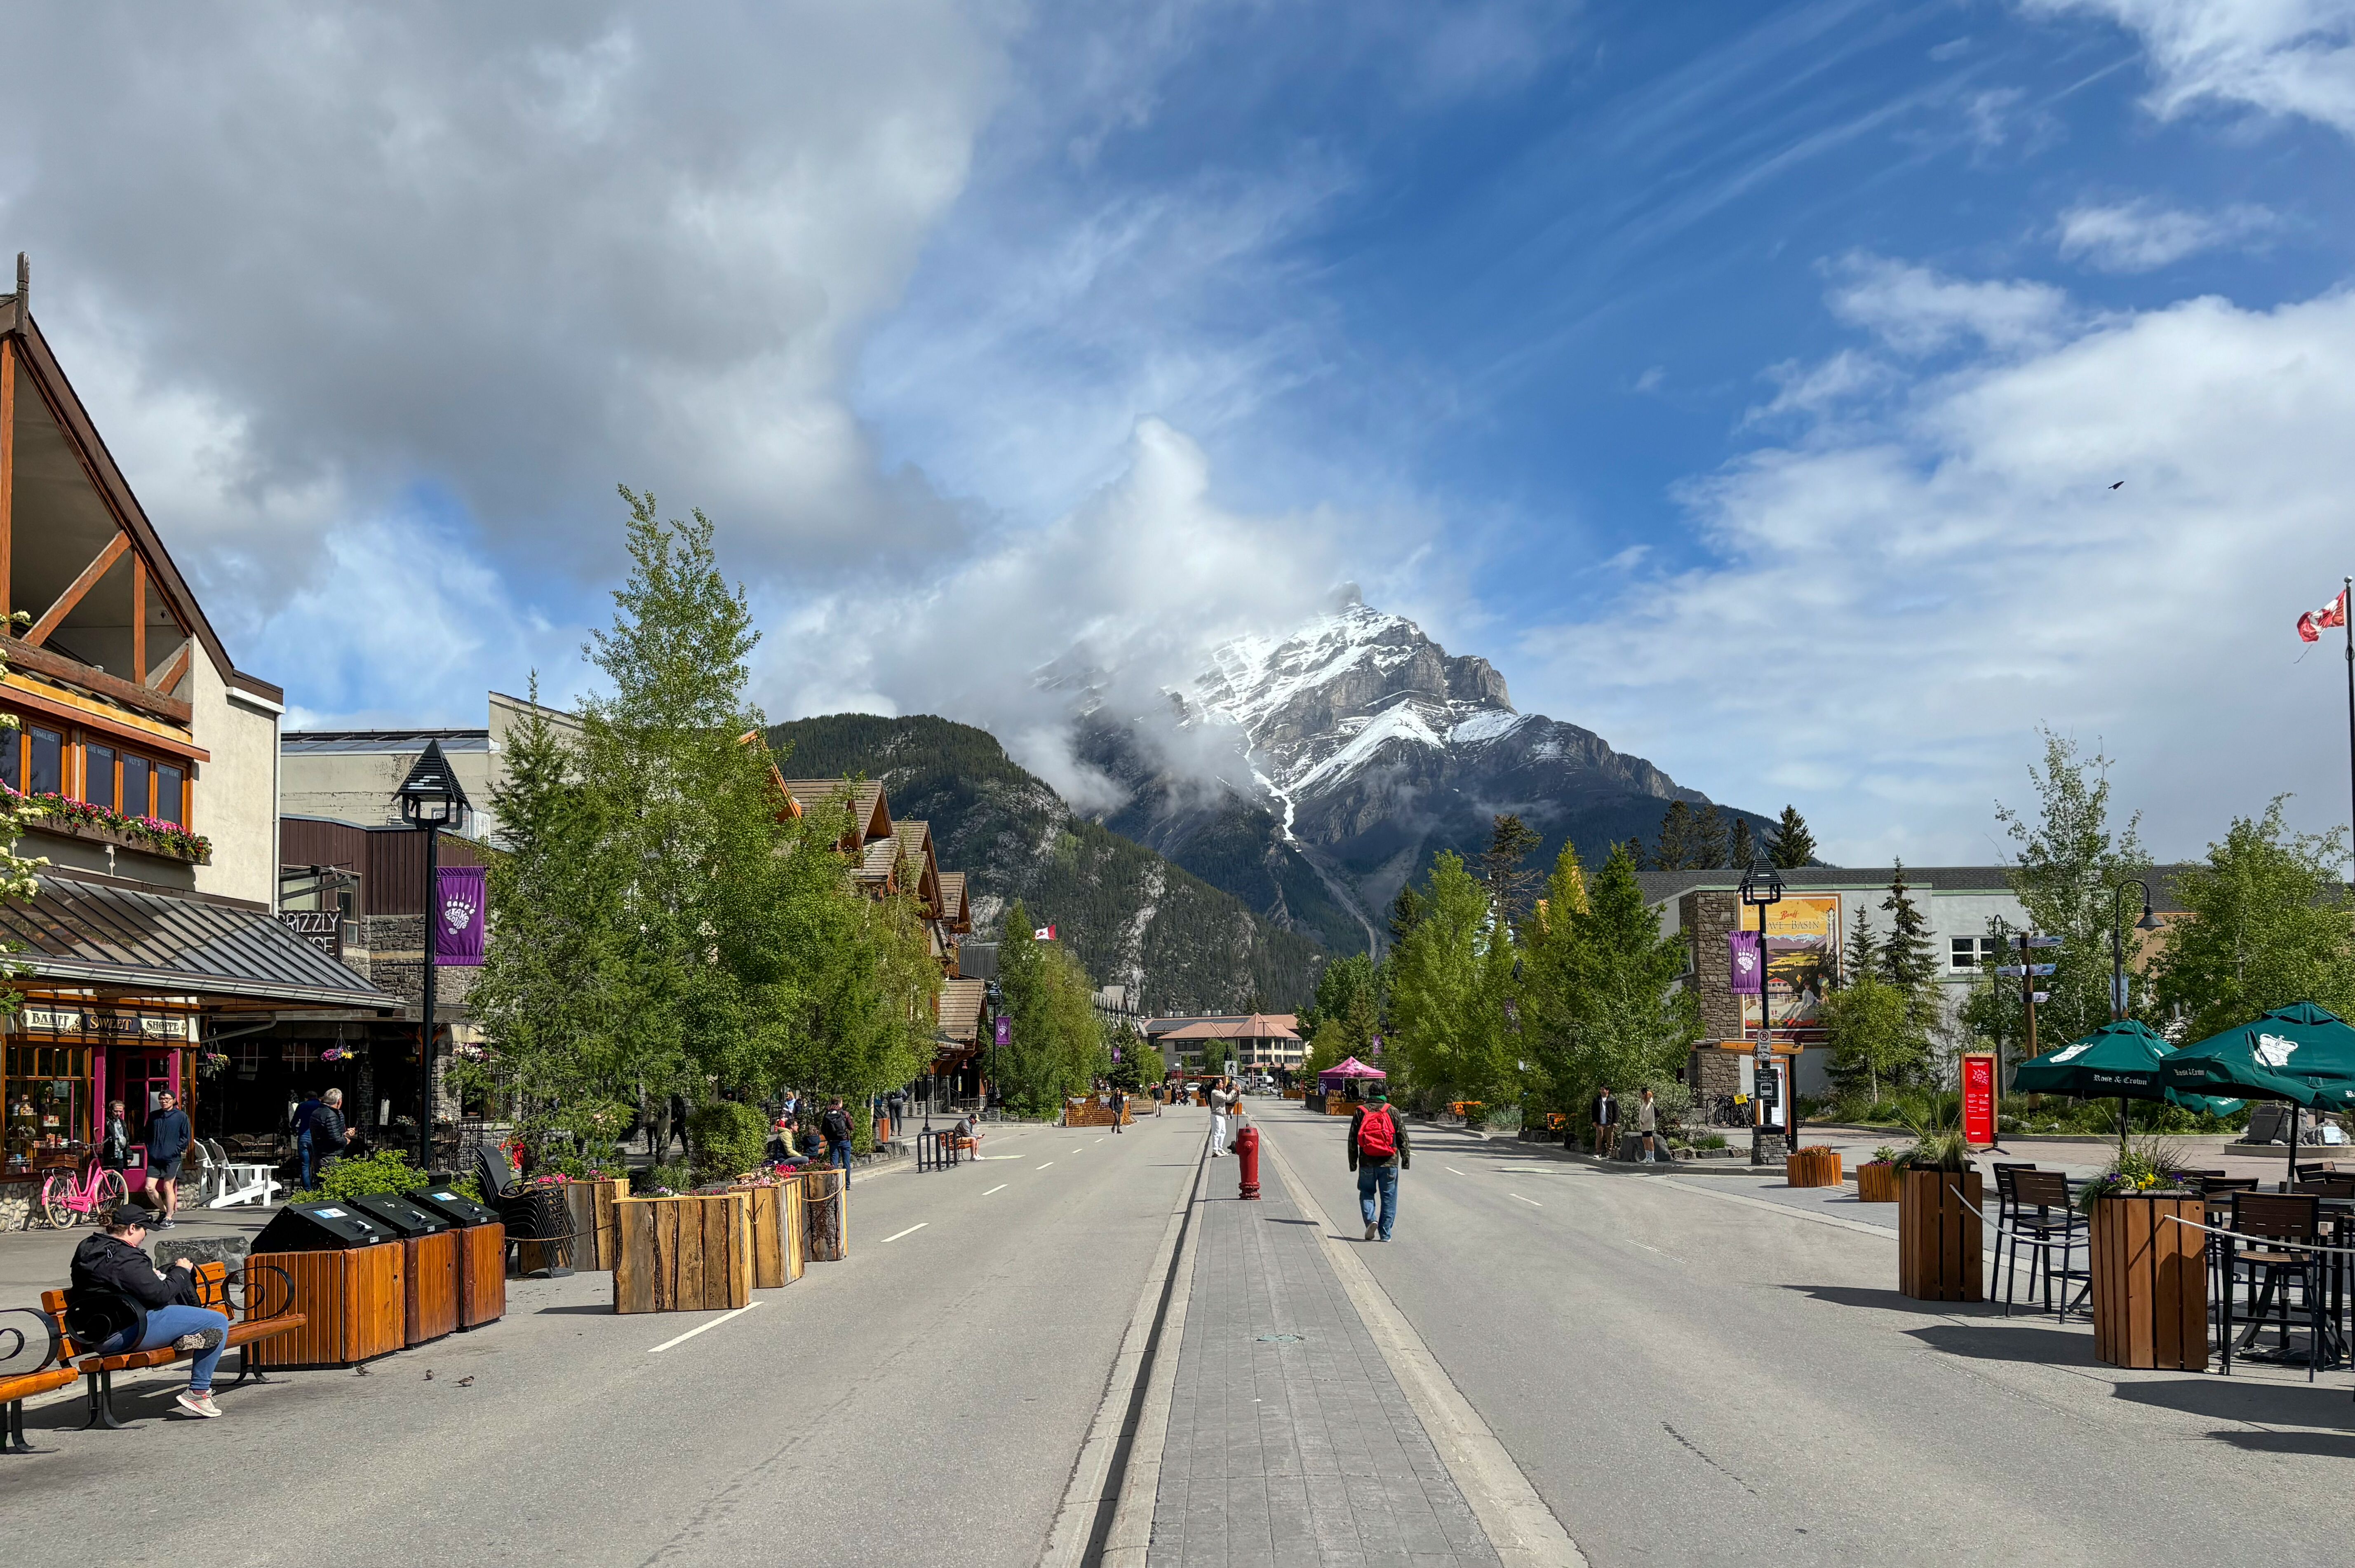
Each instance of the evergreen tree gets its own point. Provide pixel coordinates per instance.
(1909, 957)
(1741, 853)
(1861, 953)
(1407, 911)
(1708, 840)
(2268, 921)
(1511, 888)
(1450, 982)
(1676, 849)
(1792, 845)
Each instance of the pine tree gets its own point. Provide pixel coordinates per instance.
(1861, 955)
(1708, 839)
(1407, 911)
(1908, 959)
(1741, 853)
(1792, 845)
(1511, 885)
(1676, 850)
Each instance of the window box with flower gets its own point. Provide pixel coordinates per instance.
(95, 823)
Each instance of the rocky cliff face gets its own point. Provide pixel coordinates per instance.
(1325, 768)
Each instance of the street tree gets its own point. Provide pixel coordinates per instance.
(2267, 920)
(1791, 845)
(1056, 1047)
(1604, 1004)
(1511, 885)
(1450, 982)
(1875, 1032)
(2068, 865)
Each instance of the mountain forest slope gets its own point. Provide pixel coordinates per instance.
(1129, 915)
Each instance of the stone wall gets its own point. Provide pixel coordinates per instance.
(397, 966)
(17, 1203)
(1707, 917)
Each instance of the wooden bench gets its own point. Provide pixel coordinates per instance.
(212, 1290)
(51, 1373)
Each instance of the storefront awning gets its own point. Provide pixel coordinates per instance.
(128, 942)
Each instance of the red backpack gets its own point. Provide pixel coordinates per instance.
(1378, 1134)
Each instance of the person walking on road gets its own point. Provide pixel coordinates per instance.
(1119, 1109)
(1378, 1152)
(168, 1136)
(1605, 1112)
(835, 1124)
(1222, 1106)
(1648, 1123)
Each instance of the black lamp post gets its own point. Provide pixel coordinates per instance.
(1762, 886)
(431, 798)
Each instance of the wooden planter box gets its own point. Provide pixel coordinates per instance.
(354, 1304)
(825, 1216)
(2150, 1283)
(590, 1205)
(777, 1244)
(481, 1275)
(1812, 1168)
(429, 1286)
(1877, 1184)
(1938, 1239)
(1090, 1113)
(683, 1255)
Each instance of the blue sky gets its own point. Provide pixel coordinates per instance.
(1744, 381)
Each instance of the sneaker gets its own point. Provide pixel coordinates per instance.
(198, 1404)
(202, 1340)
(1371, 1228)
(166, 1226)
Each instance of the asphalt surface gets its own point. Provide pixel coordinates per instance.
(920, 1403)
(1690, 1380)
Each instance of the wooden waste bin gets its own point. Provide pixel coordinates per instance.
(354, 1304)
(481, 1275)
(1817, 1166)
(429, 1286)
(691, 1253)
(776, 1234)
(826, 1215)
(2150, 1283)
(1938, 1238)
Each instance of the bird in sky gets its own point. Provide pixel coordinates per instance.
(2118, 484)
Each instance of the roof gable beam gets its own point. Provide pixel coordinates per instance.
(76, 590)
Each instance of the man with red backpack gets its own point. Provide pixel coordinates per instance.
(1378, 1152)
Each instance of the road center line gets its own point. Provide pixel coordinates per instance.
(999, 1188)
(1532, 1203)
(703, 1329)
(912, 1230)
(1451, 1168)
(1044, 1166)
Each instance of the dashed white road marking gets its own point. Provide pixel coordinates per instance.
(999, 1188)
(1532, 1203)
(1451, 1168)
(703, 1329)
(912, 1230)
(1044, 1165)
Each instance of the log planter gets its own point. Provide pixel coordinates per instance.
(683, 1255)
(1818, 1166)
(1877, 1182)
(778, 1249)
(353, 1305)
(1939, 1239)
(826, 1215)
(590, 1207)
(1094, 1113)
(2150, 1283)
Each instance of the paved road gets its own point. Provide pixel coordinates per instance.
(919, 1403)
(1690, 1380)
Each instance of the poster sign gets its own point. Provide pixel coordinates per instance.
(1802, 955)
(1978, 1100)
(458, 915)
(322, 929)
(1005, 1030)
(1744, 962)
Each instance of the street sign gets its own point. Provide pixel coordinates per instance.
(2043, 941)
(1978, 1099)
(2014, 971)
(1770, 1085)
(2043, 996)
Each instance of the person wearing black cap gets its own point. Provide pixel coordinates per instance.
(117, 1300)
(1378, 1152)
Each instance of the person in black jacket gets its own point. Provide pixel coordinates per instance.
(118, 1301)
(835, 1124)
(168, 1136)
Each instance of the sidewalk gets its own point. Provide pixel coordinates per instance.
(1289, 1441)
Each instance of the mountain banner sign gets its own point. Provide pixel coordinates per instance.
(1802, 956)
(1742, 962)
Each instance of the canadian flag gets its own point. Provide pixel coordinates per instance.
(1047, 933)
(2315, 622)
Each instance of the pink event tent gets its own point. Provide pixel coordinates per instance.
(1347, 1068)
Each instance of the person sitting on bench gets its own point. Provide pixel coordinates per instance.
(967, 1134)
(118, 1302)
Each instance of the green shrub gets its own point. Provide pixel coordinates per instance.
(655, 1180)
(386, 1170)
(729, 1137)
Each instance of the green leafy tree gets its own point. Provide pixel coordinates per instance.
(1874, 1031)
(1057, 1045)
(2267, 921)
(1450, 982)
(1792, 845)
(2069, 866)
(1604, 1004)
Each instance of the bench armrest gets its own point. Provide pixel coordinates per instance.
(14, 1340)
(245, 1289)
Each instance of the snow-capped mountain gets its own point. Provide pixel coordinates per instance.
(1342, 758)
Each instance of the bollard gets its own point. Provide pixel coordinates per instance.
(1247, 1160)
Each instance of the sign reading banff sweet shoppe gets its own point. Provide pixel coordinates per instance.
(70, 1021)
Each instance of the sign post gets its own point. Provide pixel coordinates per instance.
(1978, 1099)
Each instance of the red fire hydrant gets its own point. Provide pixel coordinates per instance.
(1247, 1160)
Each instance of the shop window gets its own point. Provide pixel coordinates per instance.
(98, 776)
(138, 785)
(1971, 952)
(45, 760)
(167, 794)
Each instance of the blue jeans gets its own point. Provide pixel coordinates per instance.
(304, 1143)
(839, 1155)
(165, 1324)
(1378, 1180)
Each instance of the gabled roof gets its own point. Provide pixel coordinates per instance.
(960, 1010)
(954, 913)
(879, 859)
(43, 378)
(871, 815)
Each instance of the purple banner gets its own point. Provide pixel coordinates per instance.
(1005, 1030)
(458, 915)
(1743, 963)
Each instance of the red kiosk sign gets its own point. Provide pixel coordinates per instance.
(1978, 1100)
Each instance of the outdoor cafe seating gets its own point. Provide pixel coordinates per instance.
(2292, 1223)
(2046, 1220)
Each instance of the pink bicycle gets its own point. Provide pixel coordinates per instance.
(66, 1200)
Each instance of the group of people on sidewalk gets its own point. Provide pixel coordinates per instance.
(1605, 1112)
(165, 1140)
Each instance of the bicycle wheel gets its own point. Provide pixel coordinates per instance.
(54, 1209)
(110, 1189)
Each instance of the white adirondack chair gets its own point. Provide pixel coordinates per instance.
(238, 1181)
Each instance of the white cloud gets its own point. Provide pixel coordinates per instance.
(2138, 235)
(1918, 311)
(1928, 586)
(2283, 56)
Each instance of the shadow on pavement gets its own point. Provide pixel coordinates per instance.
(1886, 1300)
(2248, 1399)
(2044, 1347)
(2323, 1445)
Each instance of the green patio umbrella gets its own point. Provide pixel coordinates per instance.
(2121, 1059)
(2301, 1055)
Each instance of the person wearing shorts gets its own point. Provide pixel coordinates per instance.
(168, 1136)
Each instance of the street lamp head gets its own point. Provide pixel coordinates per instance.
(2149, 922)
(1761, 884)
(431, 797)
